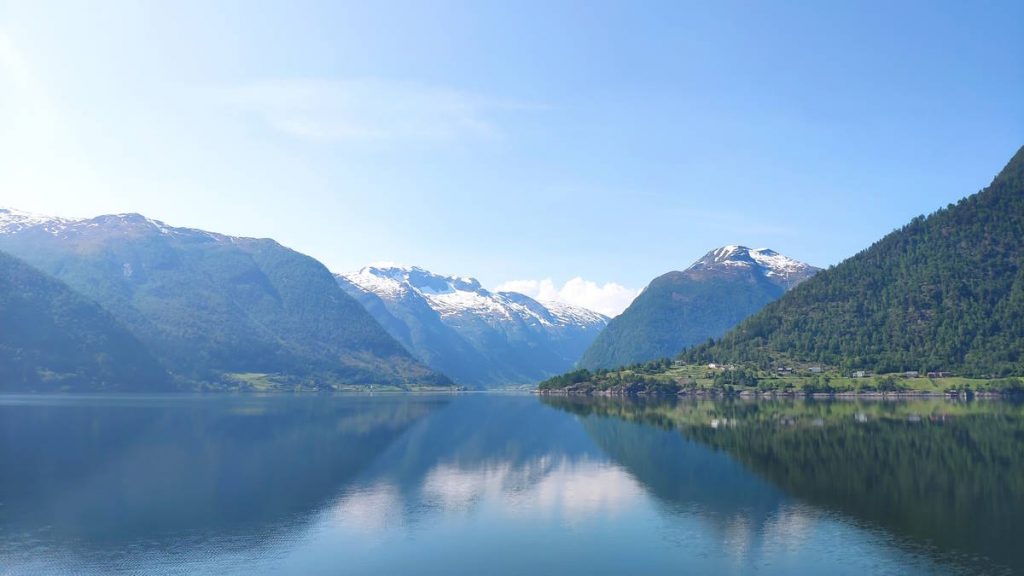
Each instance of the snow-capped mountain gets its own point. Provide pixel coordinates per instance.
(475, 336)
(683, 308)
(777, 268)
(14, 222)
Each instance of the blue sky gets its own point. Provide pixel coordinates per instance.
(512, 141)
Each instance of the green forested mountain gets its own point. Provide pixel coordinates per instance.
(52, 338)
(945, 292)
(217, 308)
(680, 309)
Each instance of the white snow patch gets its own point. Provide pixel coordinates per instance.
(776, 264)
(13, 221)
(769, 262)
(461, 299)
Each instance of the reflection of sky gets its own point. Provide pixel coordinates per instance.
(564, 491)
(572, 508)
(552, 514)
(370, 510)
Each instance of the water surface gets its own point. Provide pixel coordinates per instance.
(507, 485)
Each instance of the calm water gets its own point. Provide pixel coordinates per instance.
(487, 484)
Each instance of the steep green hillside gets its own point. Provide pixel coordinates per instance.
(945, 292)
(218, 308)
(52, 338)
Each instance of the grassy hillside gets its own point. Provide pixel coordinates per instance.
(665, 378)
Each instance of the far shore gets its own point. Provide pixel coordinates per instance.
(749, 394)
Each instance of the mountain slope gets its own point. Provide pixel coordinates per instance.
(680, 309)
(478, 337)
(214, 307)
(945, 292)
(52, 338)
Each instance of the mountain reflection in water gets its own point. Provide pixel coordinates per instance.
(946, 475)
(505, 484)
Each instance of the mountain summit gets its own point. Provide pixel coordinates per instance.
(475, 336)
(680, 309)
(779, 269)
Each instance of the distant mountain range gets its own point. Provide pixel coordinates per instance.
(477, 337)
(944, 293)
(123, 302)
(681, 309)
(213, 308)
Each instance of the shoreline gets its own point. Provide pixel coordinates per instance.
(749, 394)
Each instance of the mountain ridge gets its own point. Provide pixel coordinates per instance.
(216, 307)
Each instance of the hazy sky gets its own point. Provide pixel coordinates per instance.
(512, 141)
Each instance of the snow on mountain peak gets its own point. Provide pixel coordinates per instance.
(454, 296)
(15, 221)
(392, 278)
(474, 335)
(571, 314)
(769, 262)
(12, 221)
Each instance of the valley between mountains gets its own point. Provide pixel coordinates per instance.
(224, 312)
(125, 302)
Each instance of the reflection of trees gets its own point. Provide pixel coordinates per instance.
(118, 472)
(685, 474)
(951, 475)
